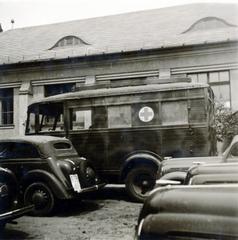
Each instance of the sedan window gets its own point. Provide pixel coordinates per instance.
(62, 145)
(18, 150)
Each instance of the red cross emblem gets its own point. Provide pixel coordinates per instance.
(146, 114)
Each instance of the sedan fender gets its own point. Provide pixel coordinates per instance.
(51, 180)
(173, 177)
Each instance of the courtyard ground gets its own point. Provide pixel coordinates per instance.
(106, 215)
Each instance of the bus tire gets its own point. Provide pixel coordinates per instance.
(140, 181)
(41, 196)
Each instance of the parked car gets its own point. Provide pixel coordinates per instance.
(47, 168)
(8, 196)
(212, 174)
(176, 168)
(190, 212)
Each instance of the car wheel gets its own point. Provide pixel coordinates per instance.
(41, 196)
(140, 181)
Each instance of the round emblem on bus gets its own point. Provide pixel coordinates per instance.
(146, 114)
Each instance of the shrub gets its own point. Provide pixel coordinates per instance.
(225, 124)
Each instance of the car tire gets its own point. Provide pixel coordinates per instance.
(140, 181)
(41, 196)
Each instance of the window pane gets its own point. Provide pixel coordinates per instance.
(4, 150)
(224, 76)
(51, 123)
(202, 78)
(213, 77)
(119, 116)
(62, 145)
(69, 40)
(99, 117)
(81, 119)
(24, 150)
(194, 77)
(197, 113)
(221, 92)
(6, 106)
(55, 89)
(18, 150)
(174, 113)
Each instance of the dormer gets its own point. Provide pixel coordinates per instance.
(209, 23)
(69, 41)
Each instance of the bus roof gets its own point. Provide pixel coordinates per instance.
(117, 91)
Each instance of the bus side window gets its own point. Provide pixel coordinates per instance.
(197, 111)
(119, 116)
(80, 119)
(99, 117)
(174, 113)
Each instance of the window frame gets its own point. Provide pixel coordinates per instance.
(215, 83)
(7, 97)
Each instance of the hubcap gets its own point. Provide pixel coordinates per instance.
(40, 198)
(143, 184)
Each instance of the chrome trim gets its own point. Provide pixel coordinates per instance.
(140, 227)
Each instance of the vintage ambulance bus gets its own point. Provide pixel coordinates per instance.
(126, 131)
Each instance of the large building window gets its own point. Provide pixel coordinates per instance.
(55, 89)
(6, 106)
(219, 82)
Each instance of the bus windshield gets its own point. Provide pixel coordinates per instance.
(45, 117)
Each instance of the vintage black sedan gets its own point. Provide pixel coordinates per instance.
(8, 198)
(47, 168)
(190, 212)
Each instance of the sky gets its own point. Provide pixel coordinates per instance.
(38, 12)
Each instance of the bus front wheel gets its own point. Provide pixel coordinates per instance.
(140, 181)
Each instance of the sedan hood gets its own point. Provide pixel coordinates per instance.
(183, 164)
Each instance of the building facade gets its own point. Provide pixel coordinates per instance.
(199, 41)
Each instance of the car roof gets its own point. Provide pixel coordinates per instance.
(33, 139)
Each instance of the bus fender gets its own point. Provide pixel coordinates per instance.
(140, 159)
(55, 185)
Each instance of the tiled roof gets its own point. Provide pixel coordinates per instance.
(166, 27)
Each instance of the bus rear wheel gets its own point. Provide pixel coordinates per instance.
(139, 182)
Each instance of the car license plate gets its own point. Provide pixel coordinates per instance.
(75, 182)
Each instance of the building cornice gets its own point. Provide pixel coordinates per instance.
(123, 56)
(206, 68)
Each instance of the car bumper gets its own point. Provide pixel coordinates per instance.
(13, 214)
(93, 188)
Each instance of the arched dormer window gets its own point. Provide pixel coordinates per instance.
(69, 41)
(209, 23)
